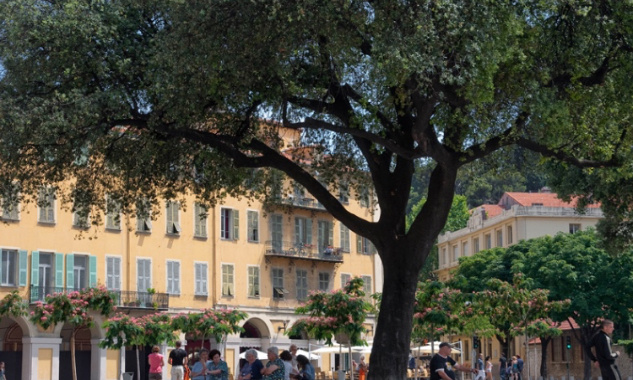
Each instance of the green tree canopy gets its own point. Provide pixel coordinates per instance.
(140, 99)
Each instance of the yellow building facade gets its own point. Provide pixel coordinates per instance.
(516, 217)
(186, 258)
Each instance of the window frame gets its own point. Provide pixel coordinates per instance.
(277, 280)
(200, 217)
(228, 280)
(50, 208)
(302, 284)
(201, 285)
(115, 278)
(229, 224)
(12, 269)
(254, 281)
(169, 277)
(149, 279)
(324, 281)
(252, 226)
(172, 218)
(345, 239)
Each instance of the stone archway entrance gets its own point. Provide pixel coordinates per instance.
(11, 335)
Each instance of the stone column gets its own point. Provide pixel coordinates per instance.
(98, 360)
(30, 356)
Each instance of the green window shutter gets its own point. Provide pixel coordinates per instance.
(236, 224)
(35, 268)
(70, 274)
(297, 231)
(359, 244)
(23, 267)
(59, 270)
(309, 231)
(330, 237)
(93, 271)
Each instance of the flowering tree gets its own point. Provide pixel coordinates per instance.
(339, 312)
(124, 330)
(73, 307)
(210, 322)
(13, 305)
(442, 310)
(513, 309)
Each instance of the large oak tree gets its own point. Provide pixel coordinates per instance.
(147, 98)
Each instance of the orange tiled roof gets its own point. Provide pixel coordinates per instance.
(491, 210)
(538, 199)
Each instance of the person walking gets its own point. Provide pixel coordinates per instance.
(178, 359)
(156, 364)
(503, 365)
(479, 366)
(439, 367)
(488, 368)
(604, 357)
(519, 367)
(2, 372)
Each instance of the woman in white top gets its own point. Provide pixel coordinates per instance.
(286, 357)
(488, 368)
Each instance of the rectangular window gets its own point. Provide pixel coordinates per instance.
(143, 274)
(10, 209)
(367, 286)
(345, 279)
(324, 282)
(227, 281)
(45, 263)
(9, 267)
(173, 277)
(229, 224)
(499, 238)
(113, 214)
(113, 273)
(278, 283)
(343, 194)
(455, 253)
(303, 231)
(326, 238)
(172, 215)
(302, 284)
(10, 202)
(200, 270)
(200, 213)
(364, 246)
(465, 249)
(253, 226)
(364, 198)
(345, 244)
(443, 257)
(143, 216)
(509, 236)
(488, 239)
(81, 216)
(574, 227)
(80, 272)
(46, 204)
(476, 245)
(253, 281)
(276, 235)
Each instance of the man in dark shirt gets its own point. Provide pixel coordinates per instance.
(178, 359)
(503, 364)
(440, 361)
(604, 357)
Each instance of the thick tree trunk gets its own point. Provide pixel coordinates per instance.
(544, 344)
(393, 333)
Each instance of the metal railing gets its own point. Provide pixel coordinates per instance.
(123, 298)
(305, 251)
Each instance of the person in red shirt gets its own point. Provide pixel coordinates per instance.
(156, 364)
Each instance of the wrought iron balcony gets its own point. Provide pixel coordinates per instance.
(305, 202)
(140, 300)
(303, 251)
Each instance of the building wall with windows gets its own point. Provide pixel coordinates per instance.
(516, 217)
(184, 259)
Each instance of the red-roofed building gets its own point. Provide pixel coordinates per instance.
(516, 217)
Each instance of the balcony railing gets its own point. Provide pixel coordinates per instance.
(306, 202)
(303, 251)
(141, 300)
